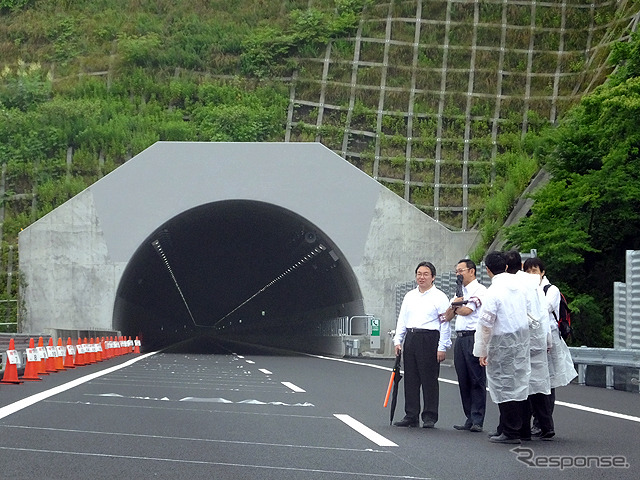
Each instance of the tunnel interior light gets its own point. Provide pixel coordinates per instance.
(305, 259)
(158, 248)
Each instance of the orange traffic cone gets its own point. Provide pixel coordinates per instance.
(31, 367)
(80, 360)
(61, 356)
(92, 350)
(52, 354)
(105, 350)
(71, 353)
(136, 345)
(42, 354)
(11, 368)
(98, 350)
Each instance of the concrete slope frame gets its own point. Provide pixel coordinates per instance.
(268, 241)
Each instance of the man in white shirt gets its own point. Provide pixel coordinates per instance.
(471, 375)
(502, 345)
(422, 336)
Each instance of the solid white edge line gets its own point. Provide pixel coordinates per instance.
(365, 431)
(575, 406)
(598, 411)
(293, 387)
(38, 397)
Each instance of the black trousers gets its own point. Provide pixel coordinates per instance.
(512, 416)
(472, 381)
(542, 410)
(421, 370)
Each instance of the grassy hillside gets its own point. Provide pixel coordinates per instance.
(433, 98)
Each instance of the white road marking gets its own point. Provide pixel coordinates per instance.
(250, 361)
(265, 371)
(26, 402)
(194, 439)
(365, 431)
(575, 406)
(154, 406)
(224, 464)
(293, 387)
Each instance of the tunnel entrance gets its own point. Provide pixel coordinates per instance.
(236, 268)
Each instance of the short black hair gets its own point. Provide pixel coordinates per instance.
(534, 262)
(470, 264)
(429, 265)
(514, 261)
(496, 262)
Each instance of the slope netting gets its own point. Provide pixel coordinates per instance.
(427, 93)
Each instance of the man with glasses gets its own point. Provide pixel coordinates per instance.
(422, 336)
(471, 375)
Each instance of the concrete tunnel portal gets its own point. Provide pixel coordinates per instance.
(269, 243)
(244, 269)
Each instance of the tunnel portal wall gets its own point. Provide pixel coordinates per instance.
(72, 260)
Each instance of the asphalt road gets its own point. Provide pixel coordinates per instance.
(236, 412)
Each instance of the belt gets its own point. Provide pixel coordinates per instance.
(421, 330)
(464, 333)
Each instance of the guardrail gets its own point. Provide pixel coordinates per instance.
(607, 357)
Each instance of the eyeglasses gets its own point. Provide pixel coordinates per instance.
(461, 270)
(423, 274)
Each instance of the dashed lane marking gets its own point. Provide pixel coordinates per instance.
(293, 387)
(362, 429)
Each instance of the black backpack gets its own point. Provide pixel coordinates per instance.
(564, 321)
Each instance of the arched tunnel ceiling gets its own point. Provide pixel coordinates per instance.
(230, 218)
(231, 265)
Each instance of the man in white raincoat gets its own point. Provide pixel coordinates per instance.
(502, 344)
(561, 369)
(540, 343)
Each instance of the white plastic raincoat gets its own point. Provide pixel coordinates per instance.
(503, 337)
(539, 336)
(561, 369)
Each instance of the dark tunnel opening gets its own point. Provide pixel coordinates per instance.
(237, 269)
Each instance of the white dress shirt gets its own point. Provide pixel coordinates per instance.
(473, 294)
(424, 310)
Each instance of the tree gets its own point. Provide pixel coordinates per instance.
(584, 220)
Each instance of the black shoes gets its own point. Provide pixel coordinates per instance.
(471, 428)
(502, 438)
(406, 422)
(462, 427)
(536, 432)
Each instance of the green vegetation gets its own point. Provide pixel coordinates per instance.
(585, 219)
(265, 52)
(87, 84)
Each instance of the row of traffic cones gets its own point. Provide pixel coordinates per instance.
(44, 361)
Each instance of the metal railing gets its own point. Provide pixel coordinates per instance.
(610, 359)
